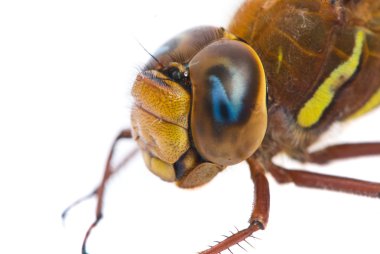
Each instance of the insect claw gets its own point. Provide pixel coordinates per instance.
(77, 202)
(93, 225)
(84, 250)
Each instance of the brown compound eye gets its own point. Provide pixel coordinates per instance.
(229, 115)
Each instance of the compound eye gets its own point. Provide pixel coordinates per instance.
(228, 118)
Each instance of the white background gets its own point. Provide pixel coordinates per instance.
(66, 69)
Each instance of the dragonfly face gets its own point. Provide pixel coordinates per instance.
(199, 108)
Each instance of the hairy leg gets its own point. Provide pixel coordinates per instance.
(260, 213)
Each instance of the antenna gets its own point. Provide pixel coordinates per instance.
(151, 55)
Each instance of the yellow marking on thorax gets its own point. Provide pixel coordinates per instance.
(313, 109)
(373, 102)
(280, 57)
